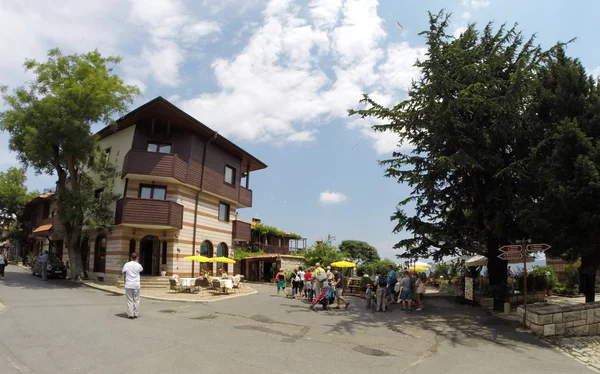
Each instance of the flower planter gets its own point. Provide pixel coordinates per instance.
(485, 302)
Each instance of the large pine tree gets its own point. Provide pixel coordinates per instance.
(466, 118)
(561, 204)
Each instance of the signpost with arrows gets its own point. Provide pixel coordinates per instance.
(521, 251)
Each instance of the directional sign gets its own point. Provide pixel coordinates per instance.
(510, 256)
(537, 247)
(511, 248)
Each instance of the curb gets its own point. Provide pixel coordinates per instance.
(157, 298)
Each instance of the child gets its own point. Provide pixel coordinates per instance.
(369, 296)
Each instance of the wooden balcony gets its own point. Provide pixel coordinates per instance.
(278, 249)
(159, 214)
(241, 231)
(245, 197)
(167, 165)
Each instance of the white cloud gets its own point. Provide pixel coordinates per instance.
(596, 72)
(329, 197)
(171, 29)
(476, 4)
(277, 85)
(302, 136)
(300, 67)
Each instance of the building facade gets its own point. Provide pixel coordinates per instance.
(181, 185)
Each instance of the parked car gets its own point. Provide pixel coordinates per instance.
(55, 267)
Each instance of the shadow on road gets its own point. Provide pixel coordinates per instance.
(18, 277)
(462, 325)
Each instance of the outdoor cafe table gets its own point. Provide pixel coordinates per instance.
(187, 283)
(225, 283)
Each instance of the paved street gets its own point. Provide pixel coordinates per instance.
(53, 326)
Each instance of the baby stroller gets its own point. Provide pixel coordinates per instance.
(326, 298)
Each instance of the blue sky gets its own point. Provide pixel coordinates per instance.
(277, 77)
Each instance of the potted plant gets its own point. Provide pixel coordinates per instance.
(163, 271)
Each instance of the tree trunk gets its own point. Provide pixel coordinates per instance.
(587, 278)
(75, 255)
(497, 271)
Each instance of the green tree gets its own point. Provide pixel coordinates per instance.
(465, 119)
(359, 251)
(373, 267)
(13, 195)
(323, 252)
(49, 121)
(561, 203)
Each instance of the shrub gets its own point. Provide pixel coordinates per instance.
(363, 283)
(572, 276)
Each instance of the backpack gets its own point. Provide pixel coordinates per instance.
(382, 282)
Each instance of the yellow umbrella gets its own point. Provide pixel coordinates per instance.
(226, 260)
(197, 258)
(344, 264)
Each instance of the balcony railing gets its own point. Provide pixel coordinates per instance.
(245, 197)
(170, 165)
(150, 213)
(242, 231)
(155, 164)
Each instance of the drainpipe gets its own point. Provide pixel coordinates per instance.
(214, 137)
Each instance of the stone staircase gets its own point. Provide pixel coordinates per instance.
(149, 283)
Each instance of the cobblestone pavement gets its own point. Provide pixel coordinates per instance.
(585, 349)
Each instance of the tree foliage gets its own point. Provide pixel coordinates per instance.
(13, 195)
(359, 251)
(49, 121)
(323, 252)
(465, 119)
(374, 267)
(563, 184)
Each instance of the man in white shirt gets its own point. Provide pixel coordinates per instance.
(131, 272)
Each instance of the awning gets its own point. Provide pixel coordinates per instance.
(42, 228)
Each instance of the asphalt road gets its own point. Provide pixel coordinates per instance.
(55, 326)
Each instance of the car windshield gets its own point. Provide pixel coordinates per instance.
(54, 260)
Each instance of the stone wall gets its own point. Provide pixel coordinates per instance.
(568, 320)
(290, 264)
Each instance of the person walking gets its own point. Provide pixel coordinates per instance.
(391, 283)
(405, 293)
(44, 261)
(321, 279)
(3, 263)
(420, 287)
(131, 272)
(319, 276)
(280, 280)
(295, 283)
(301, 283)
(338, 281)
(308, 284)
(381, 302)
